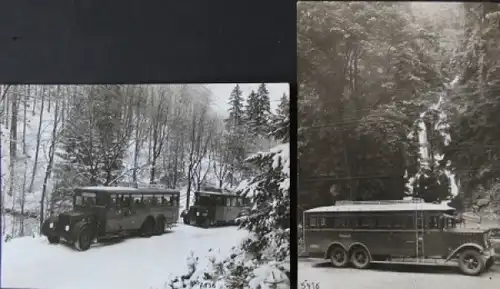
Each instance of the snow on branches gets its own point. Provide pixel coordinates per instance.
(263, 259)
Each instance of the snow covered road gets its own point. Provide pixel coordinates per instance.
(134, 263)
(382, 277)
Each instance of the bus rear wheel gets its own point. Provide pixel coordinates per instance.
(160, 226)
(360, 258)
(147, 228)
(339, 257)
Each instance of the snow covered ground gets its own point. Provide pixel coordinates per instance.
(132, 263)
(383, 277)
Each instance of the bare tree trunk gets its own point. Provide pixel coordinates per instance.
(13, 150)
(2, 208)
(137, 145)
(37, 150)
(26, 98)
(191, 162)
(25, 174)
(48, 171)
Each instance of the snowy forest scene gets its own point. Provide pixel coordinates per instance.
(398, 101)
(187, 138)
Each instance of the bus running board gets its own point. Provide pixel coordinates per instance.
(414, 261)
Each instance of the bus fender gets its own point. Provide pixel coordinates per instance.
(331, 245)
(362, 245)
(464, 246)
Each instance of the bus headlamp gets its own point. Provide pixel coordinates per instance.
(197, 214)
(66, 228)
(51, 225)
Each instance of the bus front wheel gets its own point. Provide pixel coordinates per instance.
(471, 262)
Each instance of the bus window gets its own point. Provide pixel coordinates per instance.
(126, 201)
(433, 222)
(138, 200)
(166, 200)
(366, 222)
(399, 222)
(234, 202)
(312, 222)
(323, 222)
(176, 200)
(340, 222)
(154, 201)
(112, 201)
(228, 202)
(384, 222)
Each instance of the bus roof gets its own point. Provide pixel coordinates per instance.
(382, 207)
(227, 193)
(127, 190)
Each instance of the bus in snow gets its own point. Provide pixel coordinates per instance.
(107, 212)
(214, 207)
(359, 233)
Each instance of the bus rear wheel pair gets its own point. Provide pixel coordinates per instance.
(358, 257)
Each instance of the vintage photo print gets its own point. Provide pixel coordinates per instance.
(398, 145)
(145, 186)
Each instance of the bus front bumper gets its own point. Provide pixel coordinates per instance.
(49, 230)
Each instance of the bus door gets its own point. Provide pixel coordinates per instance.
(433, 235)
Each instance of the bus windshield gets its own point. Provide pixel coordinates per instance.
(84, 201)
(202, 200)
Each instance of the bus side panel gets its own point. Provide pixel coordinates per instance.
(317, 241)
(378, 242)
(220, 213)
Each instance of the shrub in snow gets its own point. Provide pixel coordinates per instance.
(263, 259)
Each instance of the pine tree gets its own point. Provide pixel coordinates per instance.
(263, 111)
(280, 125)
(236, 112)
(236, 131)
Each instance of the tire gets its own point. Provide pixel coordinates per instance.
(205, 223)
(84, 239)
(147, 228)
(186, 220)
(54, 239)
(471, 262)
(338, 257)
(360, 258)
(160, 226)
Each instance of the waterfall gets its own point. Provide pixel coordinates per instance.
(424, 158)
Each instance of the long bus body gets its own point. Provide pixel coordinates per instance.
(105, 212)
(409, 232)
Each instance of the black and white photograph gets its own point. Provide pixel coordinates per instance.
(398, 145)
(145, 186)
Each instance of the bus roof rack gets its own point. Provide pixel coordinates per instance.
(384, 202)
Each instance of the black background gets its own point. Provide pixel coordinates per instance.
(99, 41)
